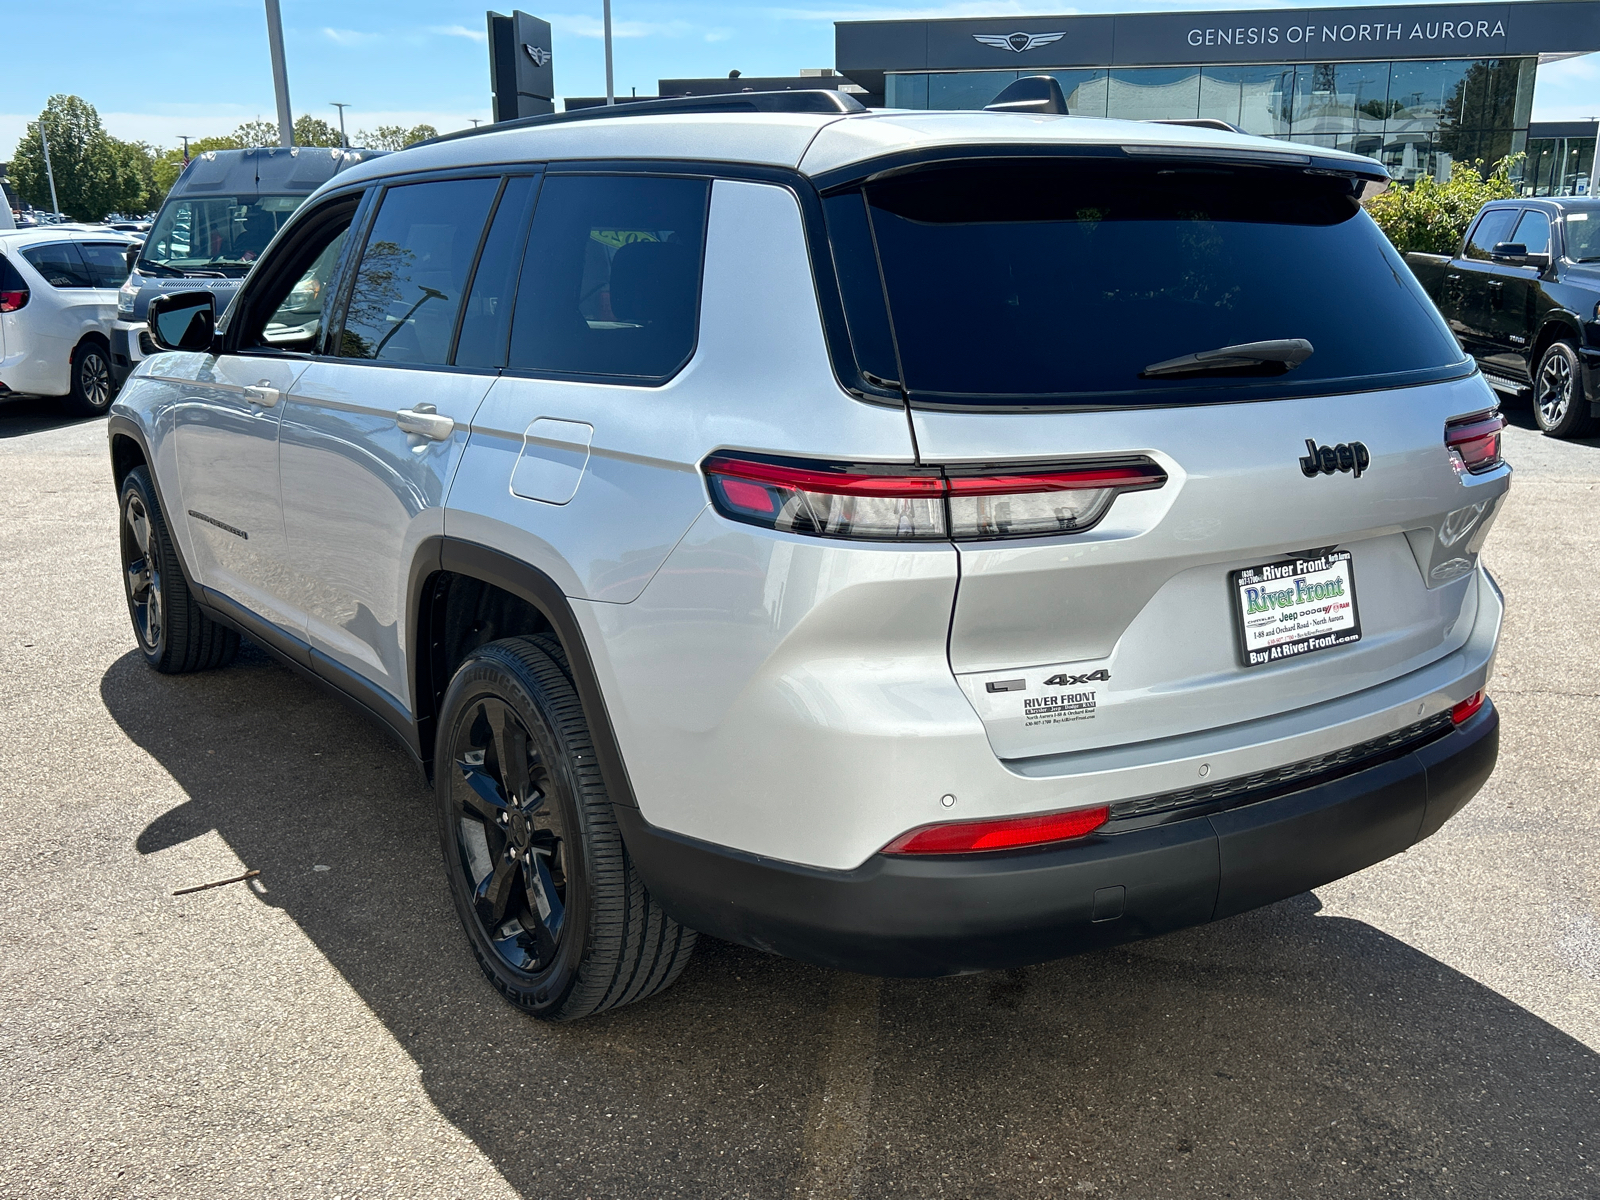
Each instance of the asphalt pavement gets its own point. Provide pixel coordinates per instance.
(1427, 1028)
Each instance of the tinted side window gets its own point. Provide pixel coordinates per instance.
(413, 270)
(1533, 231)
(487, 321)
(107, 261)
(60, 264)
(611, 278)
(1490, 231)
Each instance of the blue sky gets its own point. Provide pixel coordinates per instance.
(200, 67)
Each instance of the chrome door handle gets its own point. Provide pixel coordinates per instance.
(262, 394)
(425, 420)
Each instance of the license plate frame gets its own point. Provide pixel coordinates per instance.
(1292, 615)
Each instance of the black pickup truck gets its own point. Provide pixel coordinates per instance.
(1522, 295)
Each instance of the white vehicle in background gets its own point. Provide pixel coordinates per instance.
(58, 300)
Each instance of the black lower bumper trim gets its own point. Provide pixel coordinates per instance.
(910, 916)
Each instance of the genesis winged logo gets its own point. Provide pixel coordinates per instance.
(1017, 42)
(539, 54)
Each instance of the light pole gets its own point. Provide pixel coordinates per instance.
(1594, 167)
(343, 141)
(44, 140)
(280, 74)
(611, 96)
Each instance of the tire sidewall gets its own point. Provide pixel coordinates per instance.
(1576, 416)
(79, 396)
(487, 674)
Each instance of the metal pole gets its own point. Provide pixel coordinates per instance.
(611, 95)
(1594, 167)
(343, 141)
(280, 74)
(55, 205)
(185, 137)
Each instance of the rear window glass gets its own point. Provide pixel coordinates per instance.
(1061, 281)
(611, 279)
(60, 264)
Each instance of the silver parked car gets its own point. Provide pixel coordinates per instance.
(910, 542)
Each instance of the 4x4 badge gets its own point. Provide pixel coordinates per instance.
(1100, 676)
(1346, 456)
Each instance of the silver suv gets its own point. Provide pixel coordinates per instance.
(914, 543)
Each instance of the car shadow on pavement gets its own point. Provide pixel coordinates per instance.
(34, 415)
(1279, 1053)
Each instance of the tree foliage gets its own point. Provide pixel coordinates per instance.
(1432, 217)
(394, 137)
(95, 173)
(313, 131)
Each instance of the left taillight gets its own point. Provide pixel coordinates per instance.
(888, 503)
(1007, 833)
(1474, 443)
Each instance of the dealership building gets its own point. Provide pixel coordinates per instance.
(1416, 87)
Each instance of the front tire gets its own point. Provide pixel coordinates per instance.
(1560, 404)
(174, 636)
(555, 913)
(93, 385)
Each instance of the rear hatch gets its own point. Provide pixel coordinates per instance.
(1314, 535)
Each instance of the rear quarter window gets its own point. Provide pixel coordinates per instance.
(1057, 281)
(60, 265)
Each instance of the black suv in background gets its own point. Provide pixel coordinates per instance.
(1523, 296)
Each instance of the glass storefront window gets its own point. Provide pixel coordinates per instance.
(1340, 99)
(905, 91)
(1154, 93)
(1558, 166)
(1085, 91)
(967, 89)
(1256, 99)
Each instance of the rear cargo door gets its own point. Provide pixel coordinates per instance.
(1253, 334)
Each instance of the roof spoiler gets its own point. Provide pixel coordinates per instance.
(800, 100)
(1031, 94)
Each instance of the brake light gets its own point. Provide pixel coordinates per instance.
(11, 301)
(1474, 442)
(1468, 708)
(1010, 833)
(920, 503)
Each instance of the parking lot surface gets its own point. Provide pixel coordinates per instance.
(1429, 1027)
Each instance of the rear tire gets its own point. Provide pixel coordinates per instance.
(93, 385)
(557, 917)
(174, 636)
(1560, 403)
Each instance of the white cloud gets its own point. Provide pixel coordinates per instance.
(349, 37)
(718, 35)
(461, 31)
(581, 25)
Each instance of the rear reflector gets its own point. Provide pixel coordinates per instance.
(1011, 833)
(1468, 708)
(889, 503)
(1474, 442)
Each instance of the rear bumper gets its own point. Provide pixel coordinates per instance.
(946, 915)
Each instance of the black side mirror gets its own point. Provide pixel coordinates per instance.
(183, 320)
(1541, 261)
(131, 256)
(1509, 250)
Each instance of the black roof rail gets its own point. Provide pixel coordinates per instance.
(818, 100)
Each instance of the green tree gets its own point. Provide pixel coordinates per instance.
(95, 173)
(1432, 217)
(256, 133)
(314, 131)
(168, 164)
(393, 137)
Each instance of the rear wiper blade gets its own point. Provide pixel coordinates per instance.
(1285, 353)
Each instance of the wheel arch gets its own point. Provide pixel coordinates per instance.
(462, 595)
(1558, 325)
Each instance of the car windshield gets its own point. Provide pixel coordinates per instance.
(1583, 234)
(215, 235)
(1059, 281)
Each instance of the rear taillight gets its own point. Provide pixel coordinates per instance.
(1474, 442)
(11, 301)
(1009, 833)
(886, 503)
(1468, 708)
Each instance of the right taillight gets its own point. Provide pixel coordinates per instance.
(11, 301)
(1474, 442)
(1467, 709)
(891, 503)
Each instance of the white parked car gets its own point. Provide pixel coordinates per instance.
(58, 299)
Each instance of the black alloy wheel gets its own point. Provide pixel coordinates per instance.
(557, 917)
(1560, 405)
(92, 387)
(511, 836)
(141, 569)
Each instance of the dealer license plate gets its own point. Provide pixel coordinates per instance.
(1295, 606)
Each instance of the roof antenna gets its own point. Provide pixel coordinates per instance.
(1031, 94)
